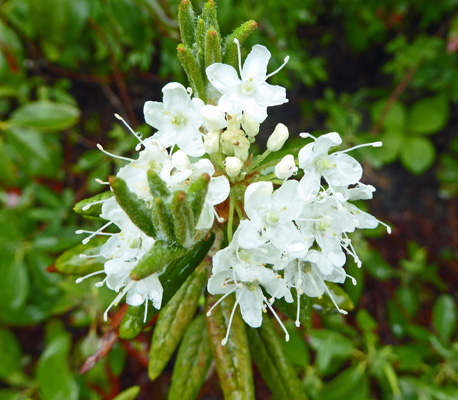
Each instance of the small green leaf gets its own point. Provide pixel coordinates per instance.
(14, 285)
(340, 297)
(192, 362)
(212, 47)
(445, 317)
(11, 359)
(196, 195)
(351, 384)
(429, 115)
(71, 262)
(186, 22)
(290, 309)
(295, 349)
(233, 361)
(275, 367)
(418, 154)
(162, 219)
(241, 34)
(193, 71)
(91, 207)
(180, 219)
(45, 116)
(173, 321)
(136, 209)
(395, 118)
(159, 256)
(54, 378)
(157, 186)
(129, 394)
(210, 17)
(171, 279)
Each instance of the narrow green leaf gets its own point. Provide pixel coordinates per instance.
(180, 219)
(241, 34)
(210, 17)
(445, 317)
(11, 370)
(173, 321)
(186, 22)
(45, 116)
(340, 297)
(193, 71)
(212, 48)
(171, 279)
(351, 384)
(157, 186)
(233, 361)
(70, 262)
(137, 210)
(129, 394)
(200, 42)
(160, 255)
(192, 362)
(196, 195)
(275, 367)
(15, 284)
(90, 207)
(162, 219)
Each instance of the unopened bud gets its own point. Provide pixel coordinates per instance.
(233, 121)
(233, 166)
(250, 127)
(286, 167)
(214, 118)
(180, 160)
(235, 143)
(211, 142)
(278, 138)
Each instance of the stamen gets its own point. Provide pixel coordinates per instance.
(353, 280)
(236, 41)
(353, 253)
(315, 285)
(209, 312)
(224, 341)
(117, 299)
(218, 218)
(298, 324)
(101, 182)
(92, 234)
(138, 137)
(99, 146)
(88, 206)
(101, 283)
(279, 320)
(307, 135)
(146, 310)
(388, 228)
(81, 279)
(374, 144)
(279, 68)
(332, 299)
(90, 256)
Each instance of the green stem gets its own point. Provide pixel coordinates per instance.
(258, 160)
(230, 218)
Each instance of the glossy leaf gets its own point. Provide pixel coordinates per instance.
(87, 207)
(128, 394)
(445, 317)
(418, 154)
(428, 116)
(351, 384)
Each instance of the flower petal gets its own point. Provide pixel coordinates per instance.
(176, 98)
(223, 77)
(255, 65)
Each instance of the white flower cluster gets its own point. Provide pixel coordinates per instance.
(295, 236)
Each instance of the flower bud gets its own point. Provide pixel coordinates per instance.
(250, 127)
(211, 142)
(286, 167)
(278, 138)
(180, 160)
(214, 118)
(233, 121)
(233, 166)
(235, 143)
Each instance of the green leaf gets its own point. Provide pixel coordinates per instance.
(241, 34)
(171, 279)
(157, 186)
(87, 207)
(277, 370)
(290, 309)
(54, 378)
(295, 348)
(45, 116)
(173, 321)
(162, 220)
(193, 72)
(429, 115)
(129, 394)
(445, 317)
(135, 208)
(233, 361)
(212, 48)
(11, 359)
(186, 22)
(351, 384)
(196, 195)
(70, 262)
(192, 362)
(158, 257)
(340, 297)
(418, 154)
(14, 285)
(394, 119)
(181, 219)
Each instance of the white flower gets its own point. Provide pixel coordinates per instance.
(250, 94)
(177, 119)
(214, 119)
(233, 166)
(271, 216)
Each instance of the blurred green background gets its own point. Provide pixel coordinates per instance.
(370, 70)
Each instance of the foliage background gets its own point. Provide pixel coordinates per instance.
(366, 69)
